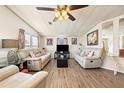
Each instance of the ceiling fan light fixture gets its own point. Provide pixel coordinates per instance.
(61, 18)
(68, 8)
(60, 7)
(64, 12)
(66, 17)
(57, 13)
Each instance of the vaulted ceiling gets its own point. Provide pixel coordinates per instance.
(86, 18)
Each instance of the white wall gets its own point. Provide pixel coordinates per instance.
(52, 48)
(110, 62)
(84, 38)
(10, 25)
(121, 33)
(107, 33)
(0, 43)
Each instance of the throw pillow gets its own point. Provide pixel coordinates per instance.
(90, 54)
(23, 53)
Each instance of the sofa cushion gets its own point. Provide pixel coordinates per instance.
(32, 54)
(43, 58)
(37, 51)
(38, 54)
(31, 59)
(23, 53)
(15, 80)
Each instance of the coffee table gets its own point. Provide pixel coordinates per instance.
(62, 62)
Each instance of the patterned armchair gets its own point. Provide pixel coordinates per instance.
(13, 57)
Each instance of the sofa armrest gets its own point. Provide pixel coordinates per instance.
(31, 59)
(35, 80)
(8, 71)
(92, 58)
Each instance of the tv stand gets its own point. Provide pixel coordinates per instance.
(64, 53)
(62, 58)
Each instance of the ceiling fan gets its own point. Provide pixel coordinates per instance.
(62, 12)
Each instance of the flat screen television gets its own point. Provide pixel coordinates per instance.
(62, 48)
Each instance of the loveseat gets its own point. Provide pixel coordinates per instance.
(89, 57)
(38, 63)
(10, 77)
(36, 58)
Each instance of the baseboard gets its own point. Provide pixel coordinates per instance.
(112, 69)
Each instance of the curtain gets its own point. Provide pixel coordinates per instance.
(40, 42)
(21, 38)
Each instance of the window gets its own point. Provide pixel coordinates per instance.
(31, 41)
(27, 40)
(34, 41)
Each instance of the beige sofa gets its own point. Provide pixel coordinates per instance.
(10, 77)
(34, 63)
(38, 63)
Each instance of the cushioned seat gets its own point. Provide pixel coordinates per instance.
(14, 80)
(10, 77)
(38, 63)
(93, 60)
(35, 62)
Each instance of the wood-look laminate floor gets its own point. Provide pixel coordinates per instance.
(76, 77)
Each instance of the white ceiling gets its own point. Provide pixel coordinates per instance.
(86, 18)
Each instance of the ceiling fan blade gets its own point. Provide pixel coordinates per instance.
(45, 8)
(71, 17)
(74, 7)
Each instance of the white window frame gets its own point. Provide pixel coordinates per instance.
(34, 38)
(28, 38)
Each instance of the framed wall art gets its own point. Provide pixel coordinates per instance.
(92, 38)
(62, 41)
(74, 41)
(49, 41)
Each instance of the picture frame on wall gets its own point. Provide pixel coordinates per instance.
(62, 41)
(92, 38)
(74, 41)
(49, 41)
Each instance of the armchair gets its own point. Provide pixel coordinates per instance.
(10, 74)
